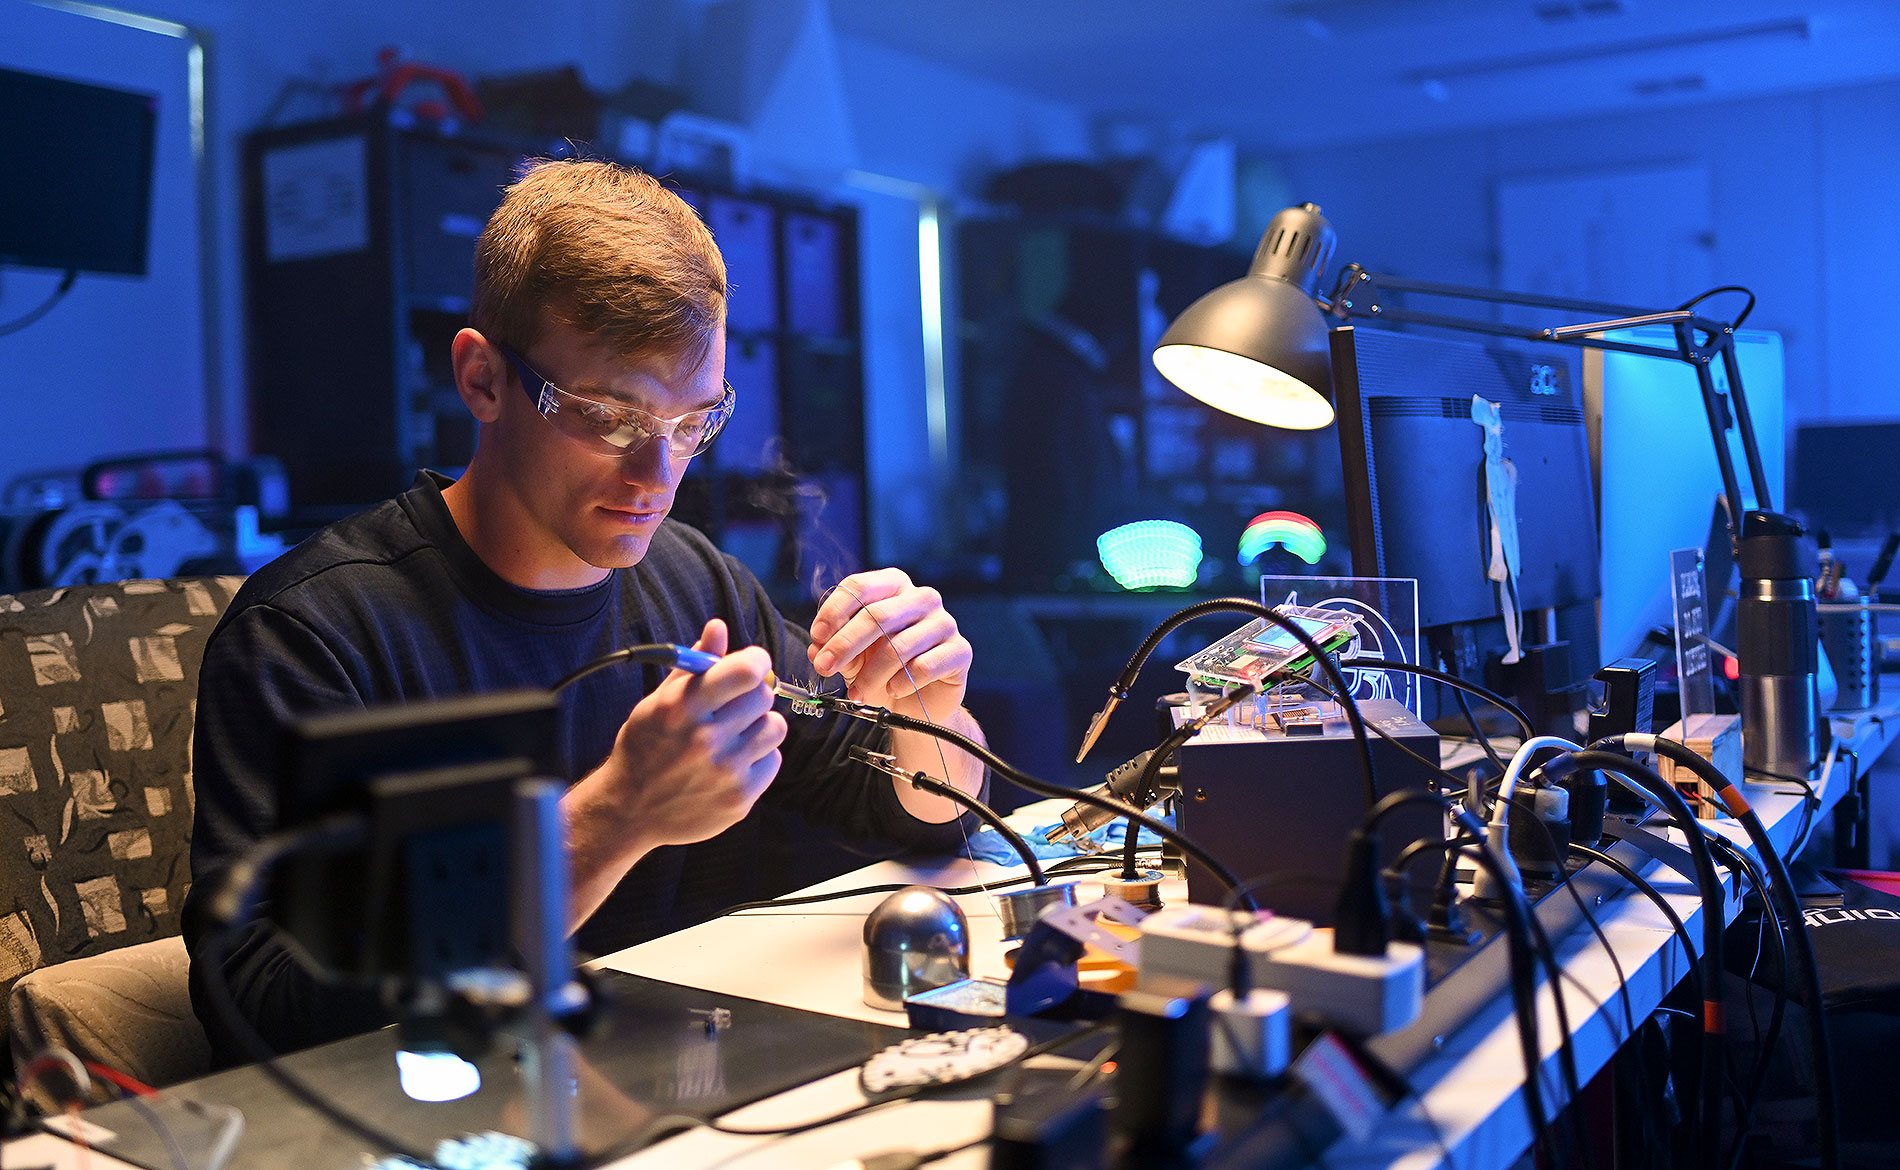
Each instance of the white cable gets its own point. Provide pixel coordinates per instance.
(1498, 830)
(1508, 786)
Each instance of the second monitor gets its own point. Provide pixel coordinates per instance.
(1419, 500)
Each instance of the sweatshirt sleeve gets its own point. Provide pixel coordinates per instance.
(263, 669)
(819, 778)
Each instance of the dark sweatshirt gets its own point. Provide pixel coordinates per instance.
(393, 605)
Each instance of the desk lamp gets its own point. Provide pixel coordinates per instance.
(1257, 347)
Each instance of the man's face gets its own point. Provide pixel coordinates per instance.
(583, 508)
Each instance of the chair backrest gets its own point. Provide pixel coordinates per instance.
(98, 690)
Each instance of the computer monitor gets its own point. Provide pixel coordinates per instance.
(1844, 481)
(78, 195)
(1656, 471)
(427, 890)
(1416, 494)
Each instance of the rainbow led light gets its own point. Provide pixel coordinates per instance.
(1290, 530)
(1151, 554)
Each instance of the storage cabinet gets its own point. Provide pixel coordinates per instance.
(360, 251)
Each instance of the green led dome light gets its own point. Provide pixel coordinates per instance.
(1151, 554)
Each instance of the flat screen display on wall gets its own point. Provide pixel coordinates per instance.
(75, 174)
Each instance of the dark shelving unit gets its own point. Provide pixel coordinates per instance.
(360, 238)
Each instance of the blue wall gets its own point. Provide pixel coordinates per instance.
(1800, 200)
(119, 365)
(1801, 187)
(135, 353)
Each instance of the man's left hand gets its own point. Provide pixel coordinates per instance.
(894, 643)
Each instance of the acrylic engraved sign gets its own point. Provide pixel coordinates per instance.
(1690, 591)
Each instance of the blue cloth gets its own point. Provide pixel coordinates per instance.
(989, 845)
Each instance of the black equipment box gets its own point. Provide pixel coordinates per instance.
(1267, 803)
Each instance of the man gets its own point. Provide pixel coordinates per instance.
(595, 365)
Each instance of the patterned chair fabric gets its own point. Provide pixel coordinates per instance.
(98, 690)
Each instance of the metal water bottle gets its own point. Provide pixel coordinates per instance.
(1778, 643)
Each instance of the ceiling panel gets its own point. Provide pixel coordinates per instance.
(1295, 73)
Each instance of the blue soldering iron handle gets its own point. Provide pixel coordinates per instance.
(693, 661)
(699, 662)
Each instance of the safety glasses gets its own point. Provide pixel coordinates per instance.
(613, 429)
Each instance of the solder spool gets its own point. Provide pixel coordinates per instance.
(1019, 909)
(1143, 891)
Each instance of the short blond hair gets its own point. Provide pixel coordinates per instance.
(607, 250)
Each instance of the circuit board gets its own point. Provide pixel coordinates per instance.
(1256, 652)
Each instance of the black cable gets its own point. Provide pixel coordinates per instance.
(657, 653)
(1750, 1098)
(1381, 732)
(1175, 739)
(1649, 891)
(1646, 783)
(1680, 930)
(1517, 936)
(1546, 952)
(1426, 845)
(1781, 884)
(1768, 1038)
(906, 1094)
(1740, 317)
(1477, 731)
(1810, 804)
(1321, 660)
(1003, 768)
(215, 951)
(1566, 1050)
(44, 307)
(234, 902)
(1748, 880)
(1450, 680)
(984, 812)
(1590, 920)
(1080, 865)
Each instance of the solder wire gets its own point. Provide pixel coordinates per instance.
(916, 692)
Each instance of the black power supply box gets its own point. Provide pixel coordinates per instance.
(1268, 803)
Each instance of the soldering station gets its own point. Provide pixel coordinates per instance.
(1304, 903)
(1419, 723)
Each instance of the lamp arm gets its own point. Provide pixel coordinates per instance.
(1356, 274)
(1718, 340)
(1718, 430)
(1567, 332)
(1733, 367)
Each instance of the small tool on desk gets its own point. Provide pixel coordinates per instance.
(715, 1019)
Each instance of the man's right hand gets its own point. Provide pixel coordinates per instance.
(688, 763)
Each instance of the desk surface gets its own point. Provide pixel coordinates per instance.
(1470, 1094)
(1470, 1099)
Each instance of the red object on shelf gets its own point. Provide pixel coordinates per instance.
(395, 75)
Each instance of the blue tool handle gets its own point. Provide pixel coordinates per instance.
(694, 661)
